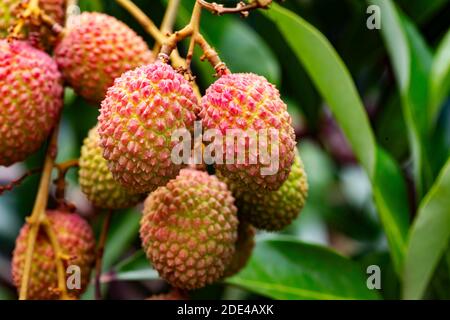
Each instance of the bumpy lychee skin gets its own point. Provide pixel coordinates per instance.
(189, 229)
(76, 240)
(97, 182)
(97, 49)
(274, 210)
(30, 99)
(9, 10)
(244, 247)
(137, 119)
(248, 102)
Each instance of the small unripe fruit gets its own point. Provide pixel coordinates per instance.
(30, 99)
(97, 49)
(189, 229)
(97, 182)
(137, 119)
(248, 102)
(244, 247)
(274, 210)
(76, 240)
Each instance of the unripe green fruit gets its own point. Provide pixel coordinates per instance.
(97, 182)
(274, 210)
(189, 229)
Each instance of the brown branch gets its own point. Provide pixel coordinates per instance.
(17, 182)
(212, 56)
(100, 251)
(241, 8)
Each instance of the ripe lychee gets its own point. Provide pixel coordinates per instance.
(97, 49)
(244, 247)
(189, 229)
(30, 99)
(274, 210)
(250, 104)
(76, 240)
(97, 182)
(137, 119)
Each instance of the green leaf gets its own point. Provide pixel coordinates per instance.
(429, 237)
(440, 77)
(411, 60)
(285, 268)
(335, 84)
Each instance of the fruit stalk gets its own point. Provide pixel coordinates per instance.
(168, 22)
(32, 9)
(38, 213)
(241, 7)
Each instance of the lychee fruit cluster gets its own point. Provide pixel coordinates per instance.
(246, 101)
(76, 240)
(97, 49)
(30, 99)
(97, 182)
(137, 118)
(189, 229)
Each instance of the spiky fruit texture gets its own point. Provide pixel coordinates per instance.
(248, 102)
(97, 49)
(137, 119)
(274, 210)
(97, 182)
(244, 247)
(76, 240)
(30, 99)
(189, 229)
(9, 9)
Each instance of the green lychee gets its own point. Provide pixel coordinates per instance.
(97, 182)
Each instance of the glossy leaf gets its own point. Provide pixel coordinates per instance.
(429, 237)
(284, 268)
(335, 84)
(411, 60)
(440, 77)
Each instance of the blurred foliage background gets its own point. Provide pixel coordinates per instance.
(340, 214)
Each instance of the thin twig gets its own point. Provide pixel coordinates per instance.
(15, 183)
(168, 22)
(60, 257)
(241, 8)
(100, 251)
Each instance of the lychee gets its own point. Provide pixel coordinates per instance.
(96, 49)
(244, 247)
(30, 99)
(97, 182)
(250, 104)
(189, 229)
(137, 119)
(274, 210)
(76, 241)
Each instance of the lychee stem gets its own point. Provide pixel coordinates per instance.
(168, 22)
(100, 251)
(38, 212)
(59, 258)
(241, 8)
